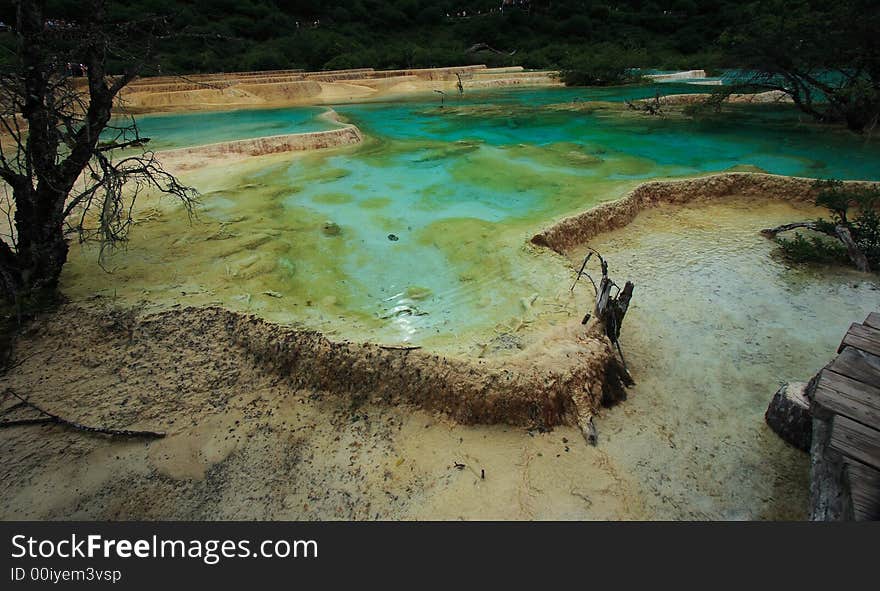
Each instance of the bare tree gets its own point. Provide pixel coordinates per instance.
(71, 170)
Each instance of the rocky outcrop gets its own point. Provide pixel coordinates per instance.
(558, 380)
(539, 79)
(789, 415)
(512, 391)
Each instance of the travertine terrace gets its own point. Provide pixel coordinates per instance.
(237, 90)
(579, 229)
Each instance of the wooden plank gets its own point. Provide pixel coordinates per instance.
(860, 343)
(865, 331)
(861, 337)
(856, 441)
(841, 383)
(857, 405)
(858, 365)
(864, 486)
(873, 320)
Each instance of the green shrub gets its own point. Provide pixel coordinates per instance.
(856, 208)
(852, 207)
(813, 249)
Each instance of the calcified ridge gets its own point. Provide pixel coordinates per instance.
(346, 135)
(559, 380)
(562, 378)
(572, 231)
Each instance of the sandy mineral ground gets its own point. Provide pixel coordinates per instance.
(242, 444)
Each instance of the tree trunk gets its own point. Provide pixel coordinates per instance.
(32, 271)
(41, 270)
(855, 253)
(64, 125)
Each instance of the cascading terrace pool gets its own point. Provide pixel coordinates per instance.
(420, 234)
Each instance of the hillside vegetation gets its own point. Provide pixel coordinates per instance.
(825, 55)
(235, 35)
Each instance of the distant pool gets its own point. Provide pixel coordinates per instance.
(169, 131)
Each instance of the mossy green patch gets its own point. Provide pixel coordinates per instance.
(333, 198)
(417, 293)
(375, 202)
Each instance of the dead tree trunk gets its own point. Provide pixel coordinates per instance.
(60, 144)
(852, 250)
(610, 311)
(41, 247)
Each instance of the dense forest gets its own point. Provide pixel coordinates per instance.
(825, 55)
(230, 35)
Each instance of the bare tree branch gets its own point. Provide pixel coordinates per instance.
(72, 167)
(53, 418)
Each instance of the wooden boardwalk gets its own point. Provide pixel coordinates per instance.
(848, 391)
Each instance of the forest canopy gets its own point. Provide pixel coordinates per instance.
(825, 55)
(233, 35)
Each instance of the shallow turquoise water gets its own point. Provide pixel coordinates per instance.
(772, 138)
(498, 167)
(440, 201)
(718, 322)
(191, 129)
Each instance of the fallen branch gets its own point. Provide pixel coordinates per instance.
(53, 418)
(19, 422)
(400, 347)
(581, 272)
(610, 309)
(772, 232)
(9, 409)
(841, 232)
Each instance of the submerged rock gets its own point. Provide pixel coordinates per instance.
(393, 237)
(331, 229)
(404, 310)
(789, 415)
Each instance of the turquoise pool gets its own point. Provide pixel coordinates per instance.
(431, 214)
